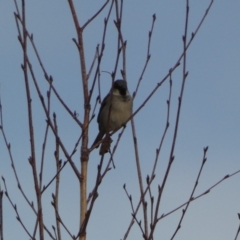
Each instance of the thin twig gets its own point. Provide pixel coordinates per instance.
(171, 156)
(118, 24)
(1, 213)
(129, 197)
(151, 201)
(148, 55)
(158, 150)
(138, 166)
(59, 219)
(58, 167)
(95, 15)
(193, 191)
(16, 211)
(238, 231)
(100, 54)
(200, 195)
(45, 139)
(137, 208)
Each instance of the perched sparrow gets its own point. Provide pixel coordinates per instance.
(121, 109)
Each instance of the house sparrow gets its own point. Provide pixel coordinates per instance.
(121, 109)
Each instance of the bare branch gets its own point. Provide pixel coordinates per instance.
(1, 213)
(193, 191)
(200, 195)
(45, 140)
(148, 55)
(238, 228)
(95, 15)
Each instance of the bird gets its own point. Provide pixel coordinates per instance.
(120, 103)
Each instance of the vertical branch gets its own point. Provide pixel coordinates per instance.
(32, 158)
(58, 167)
(45, 140)
(171, 157)
(94, 197)
(144, 203)
(100, 53)
(1, 214)
(148, 55)
(120, 44)
(1, 192)
(120, 39)
(166, 126)
(84, 151)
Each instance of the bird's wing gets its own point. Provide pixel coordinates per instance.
(102, 106)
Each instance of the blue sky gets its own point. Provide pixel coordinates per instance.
(209, 117)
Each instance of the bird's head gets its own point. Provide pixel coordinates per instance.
(120, 86)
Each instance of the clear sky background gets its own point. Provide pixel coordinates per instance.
(210, 114)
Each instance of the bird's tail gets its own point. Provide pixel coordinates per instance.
(98, 138)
